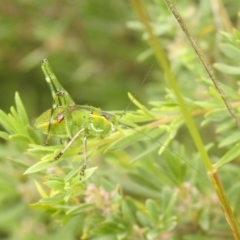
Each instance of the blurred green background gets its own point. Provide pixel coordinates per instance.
(94, 55)
(88, 44)
(98, 52)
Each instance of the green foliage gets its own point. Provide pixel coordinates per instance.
(143, 182)
(96, 199)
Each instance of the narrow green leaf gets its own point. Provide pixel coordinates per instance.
(73, 173)
(228, 37)
(4, 135)
(88, 173)
(40, 190)
(164, 143)
(128, 210)
(32, 134)
(145, 153)
(40, 166)
(68, 195)
(230, 140)
(225, 126)
(18, 162)
(82, 208)
(57, 185)
(43, 148)
(229, 156)
(125, 141)
(139, 105)
(227, 69)
(15, 116)
(170, 207)
(142, 218)
(54, 199)
(230, 51)
(204, 219)
(153, 210)
(216, 115)
(153, 234)
(19, 138)
(14, 124)
(6, 123)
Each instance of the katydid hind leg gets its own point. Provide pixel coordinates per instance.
(70, 143)
(84, 155)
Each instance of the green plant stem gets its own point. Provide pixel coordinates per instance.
(164, 64)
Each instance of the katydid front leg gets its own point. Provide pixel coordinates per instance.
(51, 119)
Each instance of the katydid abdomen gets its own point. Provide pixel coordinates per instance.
(96, 122)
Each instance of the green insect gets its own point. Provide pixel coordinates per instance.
(67, 120)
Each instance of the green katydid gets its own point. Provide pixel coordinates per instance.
(67, 120)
